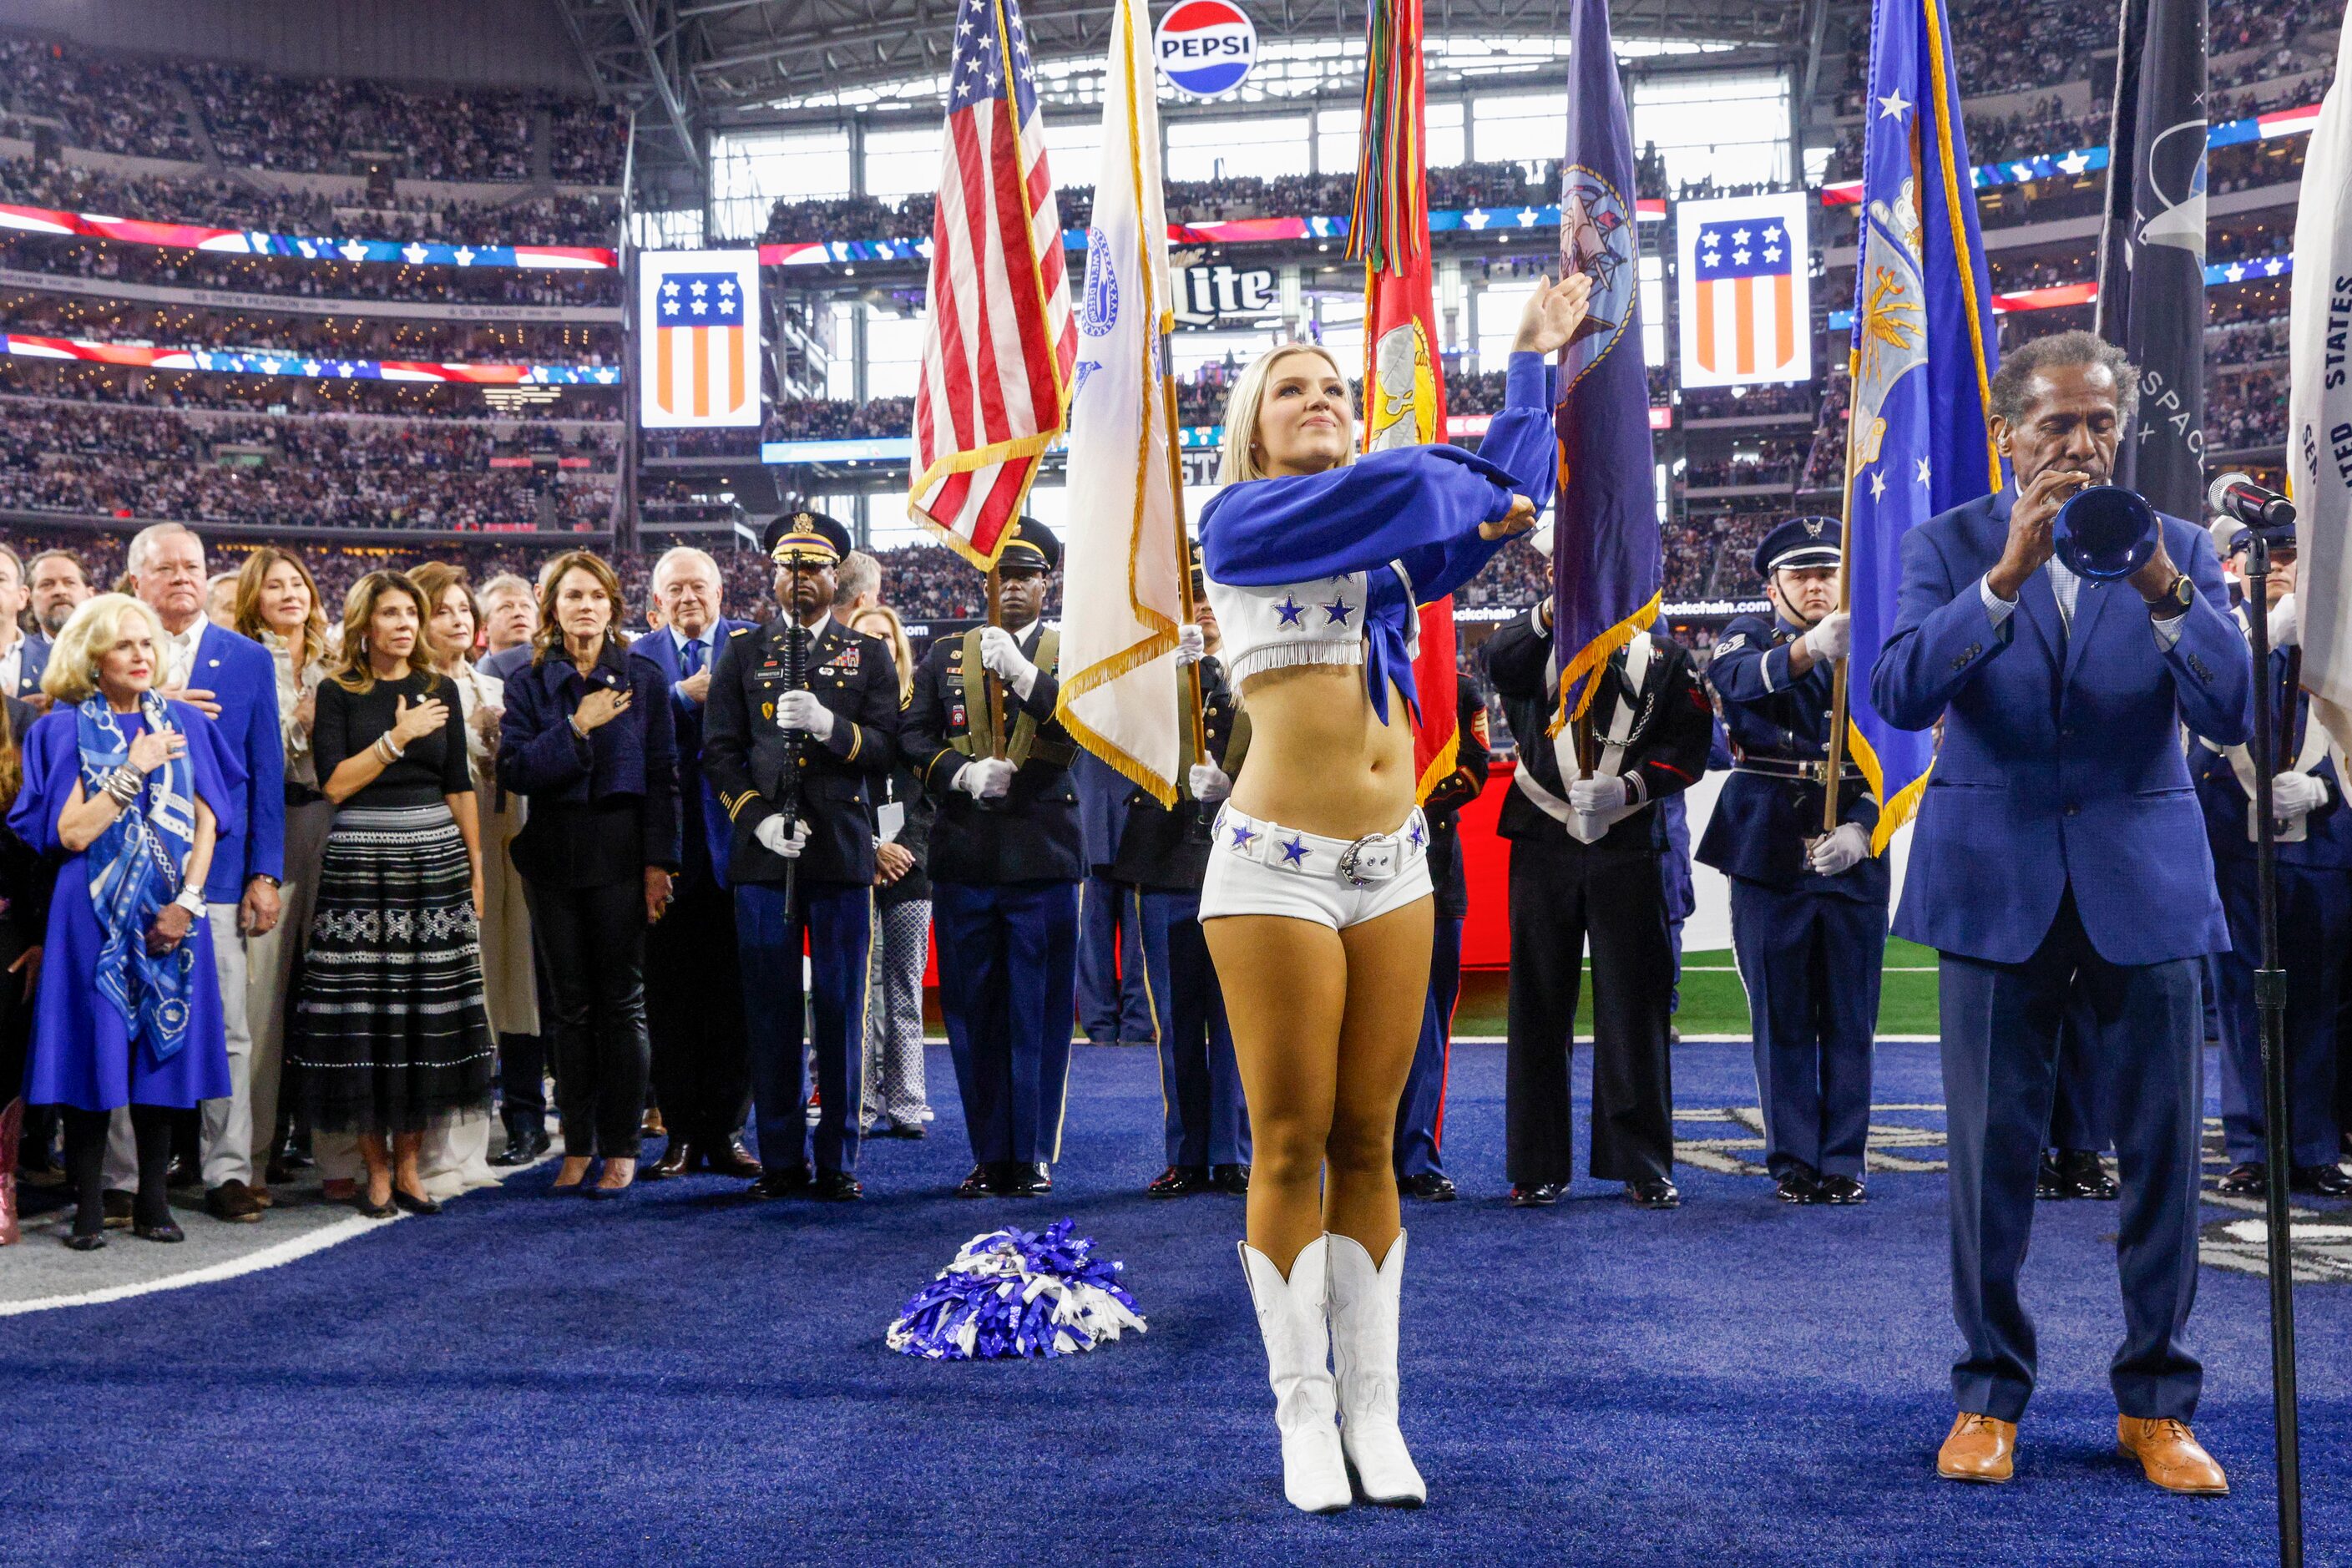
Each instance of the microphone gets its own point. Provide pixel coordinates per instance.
(2235, 495)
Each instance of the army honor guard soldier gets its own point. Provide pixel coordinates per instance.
(1808, 908)
(803, 716)
(1007, 858)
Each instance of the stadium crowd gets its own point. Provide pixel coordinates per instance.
(327, 337)
(288, 275)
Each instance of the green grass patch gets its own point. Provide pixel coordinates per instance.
(1714, 1002)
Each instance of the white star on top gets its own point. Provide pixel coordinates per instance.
(698, 290)
(1771, 253)
(1893, 106)
(1772, 234)
(964, 27)
(993, 80)
(2074, 162)
(1528, 218)
(1922, 475)
(2234, 273)
(465, 257)
(726, 286)
(1475, 218)
(2273, 267)
(1710, 259)
(1739, 236)
(1739, 257)
(1877, 484)
(670, 289)
(726, 307)
(699, 307)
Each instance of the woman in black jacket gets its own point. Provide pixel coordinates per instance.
(894, 1105)
(587, 738)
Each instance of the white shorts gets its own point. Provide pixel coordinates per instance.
(1263, 868)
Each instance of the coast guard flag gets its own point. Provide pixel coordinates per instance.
(699, 339)
(1124, 554)
(996, 361)
(2152, 256)
(1917, 442)
(1404, 385)
(2320, 406)
(1606, 568)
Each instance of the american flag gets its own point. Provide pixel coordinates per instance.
(998, 358)
(1746, 320)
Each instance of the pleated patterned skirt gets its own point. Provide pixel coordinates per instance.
(390, 1029)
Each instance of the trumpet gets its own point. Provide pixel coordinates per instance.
(2104, 532)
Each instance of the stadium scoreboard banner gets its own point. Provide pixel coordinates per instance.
(1744, 292)
(698, 340)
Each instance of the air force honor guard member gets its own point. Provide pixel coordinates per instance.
(1808, 908)
(1007, 858)
(823, 739)
(2060, 845)
(2314, 901)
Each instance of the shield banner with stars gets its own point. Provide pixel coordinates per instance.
(698, 336)
(1745, 303)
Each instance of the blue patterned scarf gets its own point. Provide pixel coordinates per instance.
(134, 870)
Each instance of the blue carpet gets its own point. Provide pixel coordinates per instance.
(686, 1377)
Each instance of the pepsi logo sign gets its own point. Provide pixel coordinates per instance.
(1206, 47)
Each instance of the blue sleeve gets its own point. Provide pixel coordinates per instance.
(2213, 676)
(51, 768)
(1747, 666)
(221, 778)
(263, 771)
(1421, 506)
(538, 749)
(1942, 637)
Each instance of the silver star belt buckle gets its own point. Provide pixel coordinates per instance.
(1372, 859)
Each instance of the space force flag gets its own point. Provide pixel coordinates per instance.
(995, 376)
(699, 339)
(1124, 559)
(1404, 383)
(2320, 406)
(1607, 563)
(1919, 441)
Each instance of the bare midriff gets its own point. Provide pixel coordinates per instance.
(1319, 759)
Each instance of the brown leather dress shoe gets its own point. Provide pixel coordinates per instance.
(2170, 1454)
(1977, 1449)
(673, 1163)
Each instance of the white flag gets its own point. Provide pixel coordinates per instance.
(1123, 529)
(2320, 406)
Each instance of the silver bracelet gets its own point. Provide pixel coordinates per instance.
(390, 752)
(123, 783)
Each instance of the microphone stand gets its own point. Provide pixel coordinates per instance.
(2270, 1013)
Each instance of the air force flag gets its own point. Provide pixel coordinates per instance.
(699, 339)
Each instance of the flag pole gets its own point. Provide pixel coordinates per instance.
(1188, 677)
(993, 688)
(1840, 670)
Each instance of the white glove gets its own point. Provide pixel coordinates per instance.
(1541, 537)
(801, 710)
(1191, 645)
(1596, 796)
(1000, 656)
(2283, 617)
(1209, 782)
(986, 778)
(2294, 794)
(1832, 637)
(770, 836)
(1835, 854)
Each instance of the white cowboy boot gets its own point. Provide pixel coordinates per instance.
(1364, 1308)
(1298, 1343)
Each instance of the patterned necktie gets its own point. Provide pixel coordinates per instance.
(693, 656)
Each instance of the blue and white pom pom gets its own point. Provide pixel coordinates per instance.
(1018, 1293)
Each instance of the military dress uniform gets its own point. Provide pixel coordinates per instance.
(1810, 948)
(1005, 876)
(1656, 724)
(2314, 911)
(827, 892)
(1420, 1113)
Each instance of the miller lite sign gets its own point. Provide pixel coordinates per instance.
(1206, 47)
(699, 339)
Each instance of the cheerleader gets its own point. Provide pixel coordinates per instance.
(1318, 900)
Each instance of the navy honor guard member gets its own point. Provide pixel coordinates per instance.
(817, 743)
(2059, 844)
(1587, 861)
(2315, 902)
(1007, 858)
(1808, 908)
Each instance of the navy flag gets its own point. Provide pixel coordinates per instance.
(2152, 254)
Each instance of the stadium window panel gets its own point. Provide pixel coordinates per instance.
(679, 230)
(1074, 146)
(1229, 149)
(751, 171)
(1339, 327)
(1496, 310)
(840, 370)
(1338, 137)
(1653, 309)
(901, 163)
(1196, 351)
(1521, 125)
(894, 353)
(1732, 129)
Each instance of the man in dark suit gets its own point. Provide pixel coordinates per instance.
(233, 682)
(21, 658)
(1420, 1114)
(816, 745)
(2059, 844)
(1007, 857)
(694, 984)
(1586, 861)
(57, 586)
(1808, 908)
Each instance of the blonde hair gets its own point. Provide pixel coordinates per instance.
(249, 577)
(72, 672)
(1238, 461)
(353, 671)
(902, 651)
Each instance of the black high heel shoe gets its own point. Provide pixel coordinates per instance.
(413, 1203)
(162, 1230)
(89, 1243)
(370, 1207)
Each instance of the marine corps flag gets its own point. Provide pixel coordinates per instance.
(1608, 567)
(1917, 442)
(1124, 561)
(1404, 386)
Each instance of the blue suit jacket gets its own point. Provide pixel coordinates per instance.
(700, 819)
(242, 680)
(2061, 760)
(30, 667)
